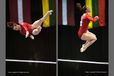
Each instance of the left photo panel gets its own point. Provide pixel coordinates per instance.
(31, 37)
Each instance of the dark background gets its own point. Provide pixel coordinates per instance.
(42, 48)
(30, 69)
(82, 69)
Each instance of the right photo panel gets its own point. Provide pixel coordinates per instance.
(83, 38)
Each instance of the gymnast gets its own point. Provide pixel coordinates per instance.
(84, 33)
(29, 30)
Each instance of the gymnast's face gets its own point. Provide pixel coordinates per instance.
(16, 28)
(88, 9)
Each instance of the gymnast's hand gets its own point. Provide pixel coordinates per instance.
(27, 34)
(97, 17)
(32, 37)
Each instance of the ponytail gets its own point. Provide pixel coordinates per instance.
(84, 9)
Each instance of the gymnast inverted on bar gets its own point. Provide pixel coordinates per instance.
(83, 32)
(29, 30)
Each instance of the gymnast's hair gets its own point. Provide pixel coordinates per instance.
(11, 24)
(84, 9)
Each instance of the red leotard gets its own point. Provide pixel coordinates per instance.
(85, 19)
(26, 27)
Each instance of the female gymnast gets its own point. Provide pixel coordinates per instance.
(29, 29)
(83, 32)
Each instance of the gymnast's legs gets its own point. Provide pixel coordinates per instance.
(90, 38)
(37, 24)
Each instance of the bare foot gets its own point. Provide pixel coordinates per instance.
(50, 12)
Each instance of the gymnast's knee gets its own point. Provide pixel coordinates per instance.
(95, 38)
(35, 32)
